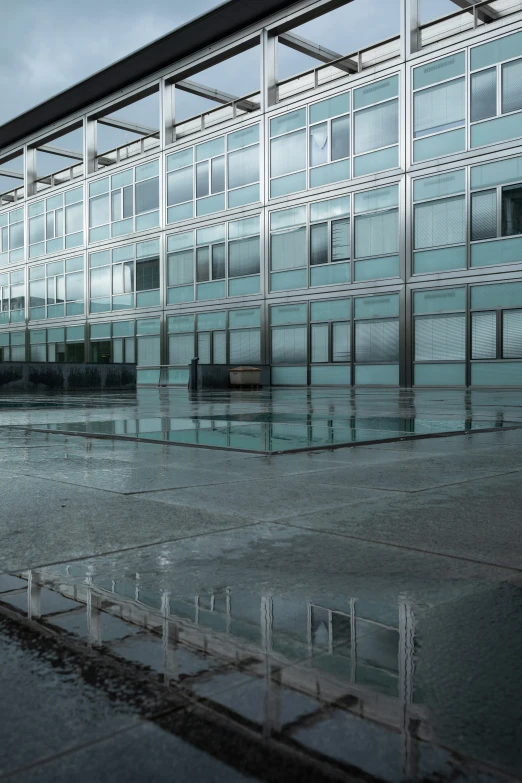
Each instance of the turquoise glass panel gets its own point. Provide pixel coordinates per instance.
(375, 268)
(333, 208)
(330, 310)
(181, 212)
(181, 323)
(55, 311)
(147, 170)
(54, 246)
(439, 260)
(74, 240)
(243, 138)
(36, 336)
(376, 161)
(499, 173)
(288, 184)
(379, 198)
(438, 71)
(148, 326)
(36, 312)
(102, 232)
(496, 51)
(100, 259)
(17, 338)
(100, 305)
(288, 218)
(75, 333)
(205, 236)
(240, 319)
(100, 331)
(123, 329)
(331, 107)
(34, 209)
(100, 186)
(19, 315)
(4, 317)
(180, 159)
(280, 315)
(236, 198)
(375, 92)
(184, 293)
(498, 251)
(122, 179)
(496, 374)
(435, 374)
(214, 290)
(210, 148)
(244, 285)
(288, 122)
(283, 281)
(331, 375)
(499, 129)
(177, 377)
(73, 196)
(488, 297)
(332, 172)
(180, 241)
(439, 300)
(205, 206)
(150, 220)
(148, 377)
(440, 185)
(39, 249)
(209, 321)
(377, 306)
(16, 255)
(74, 308)
(147, 298)
(377, 375)
(440, 144)
(328, 274)
(122, 227)
(289, 376)
(4, 339)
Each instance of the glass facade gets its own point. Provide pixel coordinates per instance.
(365, 230)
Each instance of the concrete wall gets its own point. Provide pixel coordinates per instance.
(51, 375)
(216, 376)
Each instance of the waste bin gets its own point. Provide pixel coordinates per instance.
(241, 377)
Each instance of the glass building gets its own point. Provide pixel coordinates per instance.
(359, 223)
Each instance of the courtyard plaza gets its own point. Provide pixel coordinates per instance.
(279, 585)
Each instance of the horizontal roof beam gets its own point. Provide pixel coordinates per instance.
(12, 174)
(317, 51)
(61, 152)
(484, 13)
(134, 127)
(215, 95)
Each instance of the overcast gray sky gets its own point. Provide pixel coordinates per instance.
(47, 45)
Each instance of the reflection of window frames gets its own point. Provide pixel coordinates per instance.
(125, 277)
(218, 253)
(125, 202)
(56, 289)
(12, 296)
(12, 346)
(56, 223)
(113, 342)
(64, 344)
(223, 173)
(496, 212)
(495, 90)
(11, 237)
(330, 242)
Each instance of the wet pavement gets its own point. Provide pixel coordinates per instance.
(197, 614)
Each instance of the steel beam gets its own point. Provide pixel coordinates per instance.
(317, 51)
(12, 174)
(215, 95)
(141, 130)
(61, 152)
(484, 13)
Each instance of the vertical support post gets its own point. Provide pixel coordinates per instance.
(268, 70)
(90, 145)
(33, 597)
(30, 171)
(410, 33)
(167, 112)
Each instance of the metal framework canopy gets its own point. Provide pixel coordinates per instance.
(203, 32)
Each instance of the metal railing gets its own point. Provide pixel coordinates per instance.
(129, 150)
(59, 177)
(224, 113)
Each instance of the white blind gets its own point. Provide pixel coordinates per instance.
(441, 338)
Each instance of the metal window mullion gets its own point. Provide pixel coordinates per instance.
(499, 210)
(500, 335)
(499, 89)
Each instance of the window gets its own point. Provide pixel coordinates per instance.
(124, 277)
(12, 293)
(496, 321)
(376, 330)
(289, 338)
(288, 153)
(440, 338)
(12, 346)
(181, 340)
(329, 140)
(56, 223)
(377, 233)
(113, 343)
(63, 344)
(439, 328)
(244, 336)
(376, 126)
(439, 107)
(439, 224)
(148, 342)
(11, 237)
(124, 203)
(288, 250)
(214, 175)
(484, 215)
(212, 337)
(56, 289)
(330, 331)
(511, 210)
(235, 334)
(496, 212)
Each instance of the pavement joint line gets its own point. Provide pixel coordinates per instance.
(108, 552)
(284, 522)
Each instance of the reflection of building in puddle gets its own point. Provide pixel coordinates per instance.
(338, 680)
